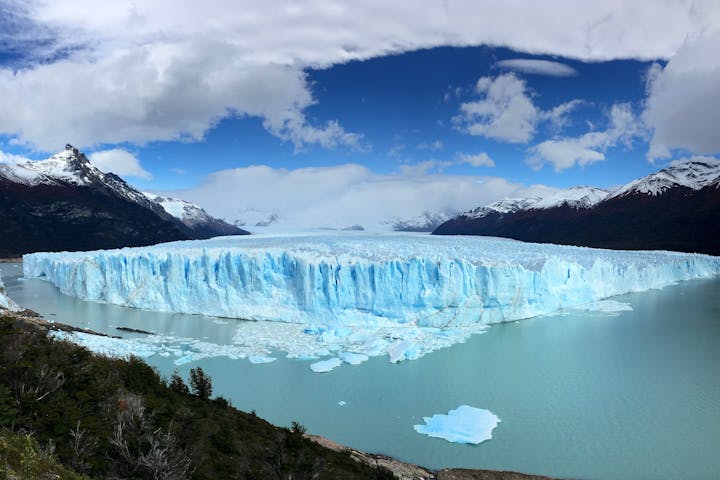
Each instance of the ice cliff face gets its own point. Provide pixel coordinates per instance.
(362, 280)
(5, 302)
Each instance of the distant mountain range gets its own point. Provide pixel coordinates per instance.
(66, 203)
(677, 208)
(425, 222)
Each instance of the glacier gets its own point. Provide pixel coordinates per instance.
(5, 302)
(400, 295)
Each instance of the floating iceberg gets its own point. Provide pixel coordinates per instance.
(607, 306)
(353, 358)
(353, 280)
(326, 365)
(465, 424)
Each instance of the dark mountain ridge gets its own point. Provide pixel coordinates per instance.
(67, 204)
(677, 208)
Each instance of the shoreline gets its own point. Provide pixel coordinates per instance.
(401, 470)
(409, 471)
(11, 260)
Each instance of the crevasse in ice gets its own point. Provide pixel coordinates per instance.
(362, 280)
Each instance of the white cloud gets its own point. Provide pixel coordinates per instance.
(558, 116)
(344, 195)
(167, 69)
(11, 158)
(504, 112)
(566, 152)
(120, 162)
(537, 67)
(476, 160)
(425, 167)
(434, 146)
(157, 92)
(683, 106)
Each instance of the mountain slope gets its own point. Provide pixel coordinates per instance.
(425, 222)
(65, 203)
(195, 218)
(677, 208)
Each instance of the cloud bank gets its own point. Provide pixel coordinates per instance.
(108, 72)
(566, 152)
(344, 195)
(120, 162)
(683, 105)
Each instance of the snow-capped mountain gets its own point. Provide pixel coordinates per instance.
(194, 217)
(502, 207)
(694, 175)
(575, 197)
(677, 208)
(72, 167)
(425, 222)
(66, 203)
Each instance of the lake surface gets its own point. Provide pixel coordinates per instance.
(580, 394)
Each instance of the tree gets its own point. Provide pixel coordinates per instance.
(177, 384)
(200, 383)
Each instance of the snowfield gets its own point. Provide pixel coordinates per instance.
(400, 295)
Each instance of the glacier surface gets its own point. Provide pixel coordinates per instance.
(465, 424)
(351, 280)
(400, 295)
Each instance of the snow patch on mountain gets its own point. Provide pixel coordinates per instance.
(188, 213)
(72, 167)
(68, 166)
(505, 206)
(575, 197)
(425, 222)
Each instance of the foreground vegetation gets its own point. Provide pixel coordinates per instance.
(66, 413)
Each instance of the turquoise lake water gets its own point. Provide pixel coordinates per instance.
(634, 395)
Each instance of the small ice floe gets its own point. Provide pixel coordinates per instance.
(465, 424)
(353, 358)
(342, 403)
(325, 365)
(607, 306)
(260, 359)
(403, 350)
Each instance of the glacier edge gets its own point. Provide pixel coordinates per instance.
(355, 280)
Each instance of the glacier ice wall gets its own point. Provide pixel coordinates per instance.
(354, 279)
(5, 302)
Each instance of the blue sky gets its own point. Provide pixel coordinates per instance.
(484, 99)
